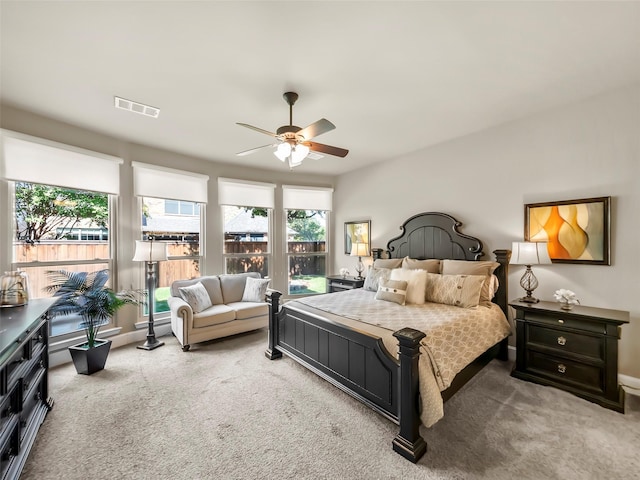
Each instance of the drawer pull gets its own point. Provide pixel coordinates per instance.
(562, 368)
(562, 340)
(560, 320)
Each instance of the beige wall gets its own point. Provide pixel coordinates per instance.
(582, 150)
(130, 273)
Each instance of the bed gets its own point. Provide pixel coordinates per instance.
(357, 359)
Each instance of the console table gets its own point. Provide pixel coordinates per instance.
(24, 363)
(575, 350)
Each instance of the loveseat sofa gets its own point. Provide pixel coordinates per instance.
(216, 306)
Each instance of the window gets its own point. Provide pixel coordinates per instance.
(307, 210)
(306, 251)
(246, 239)
(61, 216)
(182, 233)
(246, 208)
(45, 217)
(178, 221)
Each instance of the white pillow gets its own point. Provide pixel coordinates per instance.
(374, 276)
(417, 283)
(255, 289)
(196, 296)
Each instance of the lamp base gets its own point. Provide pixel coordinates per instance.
(150, 344)
(528, 299)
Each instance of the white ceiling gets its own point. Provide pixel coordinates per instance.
(394, 77)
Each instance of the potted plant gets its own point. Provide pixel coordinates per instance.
(88, 296)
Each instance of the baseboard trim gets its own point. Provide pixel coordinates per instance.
(60, 356)
(630, 384)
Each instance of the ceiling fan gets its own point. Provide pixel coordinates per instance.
(294, 143)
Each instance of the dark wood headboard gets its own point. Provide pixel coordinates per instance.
(436, 235)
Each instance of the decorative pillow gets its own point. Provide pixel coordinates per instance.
(392, 291)
(469, 267)
(196, 296)
(387, 262)
(255, 289)
(417, 283)
(457, 290)
(374, 276)
(431, 265)
(494, 284)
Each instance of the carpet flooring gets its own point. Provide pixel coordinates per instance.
(224, 411)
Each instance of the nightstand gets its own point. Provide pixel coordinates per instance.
(575, 350)
(338, 283)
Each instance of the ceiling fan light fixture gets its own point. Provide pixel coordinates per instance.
(283, 151)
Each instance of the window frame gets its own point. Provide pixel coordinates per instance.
(268, 256)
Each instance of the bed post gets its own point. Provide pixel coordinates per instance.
(273, 299)
(502, 295)
(408, 442)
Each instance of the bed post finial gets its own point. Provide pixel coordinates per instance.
(408, 442)
(273, 299)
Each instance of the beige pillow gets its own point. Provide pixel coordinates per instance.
(417, 283)
(431, 265)
(469, 267)
(392, 291)
(387, 262)
(374, 276)
(457, 290)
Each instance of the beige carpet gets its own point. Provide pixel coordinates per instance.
(223, 411)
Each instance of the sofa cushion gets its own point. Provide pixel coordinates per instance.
(255, 289)
(245, 310)
(233, 285)
(213, 315)
(211, 284)
(196, 296)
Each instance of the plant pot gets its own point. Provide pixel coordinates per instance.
(90, 360)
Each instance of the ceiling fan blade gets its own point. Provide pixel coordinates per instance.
(321, 147)
(317, 128)
(248, 152)
(257, 129)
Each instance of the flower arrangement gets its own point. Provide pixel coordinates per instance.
(344, 272)
(566, 297)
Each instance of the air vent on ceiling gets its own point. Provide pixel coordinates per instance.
(136, 107)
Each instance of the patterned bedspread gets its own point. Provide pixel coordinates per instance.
(455, 336)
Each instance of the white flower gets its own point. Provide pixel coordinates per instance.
(344, 272)
(566, 296)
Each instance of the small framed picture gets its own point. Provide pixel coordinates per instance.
(357, 232)
(576, 231)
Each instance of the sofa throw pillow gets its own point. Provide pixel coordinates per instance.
(457, 290)
(417, 283)
(392, 291)
(255, 289)
(196, 296)
(374, 276)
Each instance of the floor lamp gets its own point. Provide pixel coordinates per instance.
(150, 252)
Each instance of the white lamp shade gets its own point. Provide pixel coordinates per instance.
(359, 250)
(147, 251)
(283, 151)
(529, 253)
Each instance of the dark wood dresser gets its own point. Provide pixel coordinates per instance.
(338, 283)
(575, 350)
(24, 363)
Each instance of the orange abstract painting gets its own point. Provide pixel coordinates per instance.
(577, 231)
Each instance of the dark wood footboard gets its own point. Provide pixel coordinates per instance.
(358, 364)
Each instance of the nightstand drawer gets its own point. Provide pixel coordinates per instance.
(565, 321)
(564, 341)
(587, 377)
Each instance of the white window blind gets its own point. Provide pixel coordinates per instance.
(307, 198)
(244, 193)
(36, 160)
(169, 183)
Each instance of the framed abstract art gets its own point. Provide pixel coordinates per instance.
(357, 232)
(577, 231)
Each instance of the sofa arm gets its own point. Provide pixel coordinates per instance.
(181, 318)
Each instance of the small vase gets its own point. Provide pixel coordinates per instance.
(566, 306)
